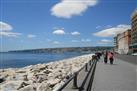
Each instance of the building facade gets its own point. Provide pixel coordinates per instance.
(123, 42)
(127, 42)
(133, 45)
(115, 44)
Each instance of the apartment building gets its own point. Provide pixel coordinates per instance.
(123, 42)
(133, 45)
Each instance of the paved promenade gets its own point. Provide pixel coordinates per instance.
(121, 76)
(127, 58)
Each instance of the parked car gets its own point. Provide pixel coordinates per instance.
(134, 54)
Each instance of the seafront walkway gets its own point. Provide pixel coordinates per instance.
(121, 76)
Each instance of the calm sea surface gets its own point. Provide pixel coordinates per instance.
(17, 60)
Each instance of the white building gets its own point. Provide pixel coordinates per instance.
(124, 40)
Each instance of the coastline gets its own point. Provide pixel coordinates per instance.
(47, 76)
(19, 60)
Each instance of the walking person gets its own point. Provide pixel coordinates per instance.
(111, 57)
(98, 55)
(94, 58)
(105, 57)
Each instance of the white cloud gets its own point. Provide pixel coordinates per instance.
(5, 30)
(85, 40)
(69, 8)
(75, 33)
(98, 27)
(74, 41)
(105, 41)
(111, 32)
(108, 26)
(5, 27)
(56, 42)
(59, 32)
(49, 40)
(9, 34)
(31, 36)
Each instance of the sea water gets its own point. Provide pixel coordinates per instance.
(17, 60)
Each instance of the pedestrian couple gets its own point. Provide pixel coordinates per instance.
(110, 56)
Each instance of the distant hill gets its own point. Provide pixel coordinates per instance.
(66, 49)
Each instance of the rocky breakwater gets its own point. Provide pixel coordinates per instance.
(41, 77)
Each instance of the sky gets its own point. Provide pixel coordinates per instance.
(32, 24)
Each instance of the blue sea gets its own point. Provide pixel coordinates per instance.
(17, 60)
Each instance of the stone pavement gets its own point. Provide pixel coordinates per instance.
(121, 76)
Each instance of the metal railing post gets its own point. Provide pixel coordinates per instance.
(74, 77)
(82, 87)
(91, 78)
(75, 81)
(86, 67)
(90, 62)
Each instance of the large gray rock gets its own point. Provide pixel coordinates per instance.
(28, 88)
(53, 82)
(10, 86)
(49, 76)
(44, 87)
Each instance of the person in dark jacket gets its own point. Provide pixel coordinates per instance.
(94, 58)
(105, 57)
(111, 58)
